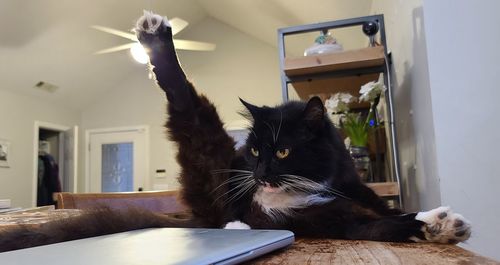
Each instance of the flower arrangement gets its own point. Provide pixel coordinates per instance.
(371, 91)
(339, 103)
(356, 129)
(353, 125)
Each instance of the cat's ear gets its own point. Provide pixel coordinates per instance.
(254, 110)
(314, 112)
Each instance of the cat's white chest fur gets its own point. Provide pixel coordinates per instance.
(282, 202)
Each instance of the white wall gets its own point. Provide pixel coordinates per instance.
(17, 115)
(241, 66)
(135, 101)
(462, 43)
(412, 98)
(445, 63)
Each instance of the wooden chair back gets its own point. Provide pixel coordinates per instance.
(156, 201)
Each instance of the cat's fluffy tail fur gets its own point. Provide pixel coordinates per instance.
(95, 222)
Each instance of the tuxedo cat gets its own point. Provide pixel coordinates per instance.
(293, 173)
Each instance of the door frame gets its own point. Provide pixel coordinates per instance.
(138, 128)
(54, 127)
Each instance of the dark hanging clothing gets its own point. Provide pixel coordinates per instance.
(48, 180)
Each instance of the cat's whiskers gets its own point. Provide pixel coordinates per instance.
(234, 178)
(253, 132)
(305, 182)
(293, 187)
(241, 179)
(230, 170)
(278, 215)
(305, 188)
(243, 174)
(279, 127)
(248, 185)
(246, 180)
(271, 127)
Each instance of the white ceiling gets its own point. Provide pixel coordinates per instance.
(50, 40)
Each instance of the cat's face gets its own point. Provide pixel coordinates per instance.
(290, 146)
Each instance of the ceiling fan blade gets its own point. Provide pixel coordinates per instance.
(117, 48)
(193, 45)
(116, 32)
(178, 24)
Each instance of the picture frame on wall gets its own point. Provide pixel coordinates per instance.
(4, 153)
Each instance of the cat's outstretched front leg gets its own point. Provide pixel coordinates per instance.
(439, 225)
(155, 34)
(204, 145)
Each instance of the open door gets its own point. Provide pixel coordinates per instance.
(55, 161)
(70, 159)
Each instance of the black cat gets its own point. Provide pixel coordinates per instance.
(293, 173)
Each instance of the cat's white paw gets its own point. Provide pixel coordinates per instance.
(150, 22)
(236, 225)
(444, 226)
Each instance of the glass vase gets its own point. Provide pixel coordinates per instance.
(361, 159)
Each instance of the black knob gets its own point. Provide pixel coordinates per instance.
(370, 28)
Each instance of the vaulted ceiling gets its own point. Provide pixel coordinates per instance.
(51, 40)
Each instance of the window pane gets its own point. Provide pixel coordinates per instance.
(117, 167)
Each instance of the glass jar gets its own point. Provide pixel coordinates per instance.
(361, 159)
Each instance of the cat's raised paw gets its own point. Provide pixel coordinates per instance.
(236, 225)
(150, 23)
(444, 226)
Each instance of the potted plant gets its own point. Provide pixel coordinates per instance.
(356, 127)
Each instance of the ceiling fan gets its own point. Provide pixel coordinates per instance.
(137, 50)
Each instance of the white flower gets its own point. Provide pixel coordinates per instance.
(339, 102)
(347, 142)
(371, 90)
(335, 118)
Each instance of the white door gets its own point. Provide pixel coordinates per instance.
(118, 160)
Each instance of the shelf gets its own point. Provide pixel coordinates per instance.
(324, 87)
(346, 71)
(384, 189)
(352, 59)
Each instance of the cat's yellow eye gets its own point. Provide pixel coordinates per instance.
(282, 153)
(254, 152)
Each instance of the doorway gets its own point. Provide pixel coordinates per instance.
(117, 159)
(55, 161)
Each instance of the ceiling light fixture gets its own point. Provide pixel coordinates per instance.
(139, 54)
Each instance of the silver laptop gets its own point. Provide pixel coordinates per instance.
(157, 246)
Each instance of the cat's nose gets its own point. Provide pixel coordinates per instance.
(259, 178)
(259, 181)
(259, 172)
(263, 179)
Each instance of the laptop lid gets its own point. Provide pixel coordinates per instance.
(156, 246)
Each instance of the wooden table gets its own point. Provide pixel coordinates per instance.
(349, 252)
(34, 216)
(310, 251)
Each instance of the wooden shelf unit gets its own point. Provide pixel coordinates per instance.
(346, 60)
(384, 189)
(326, 74)
(327, 86)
